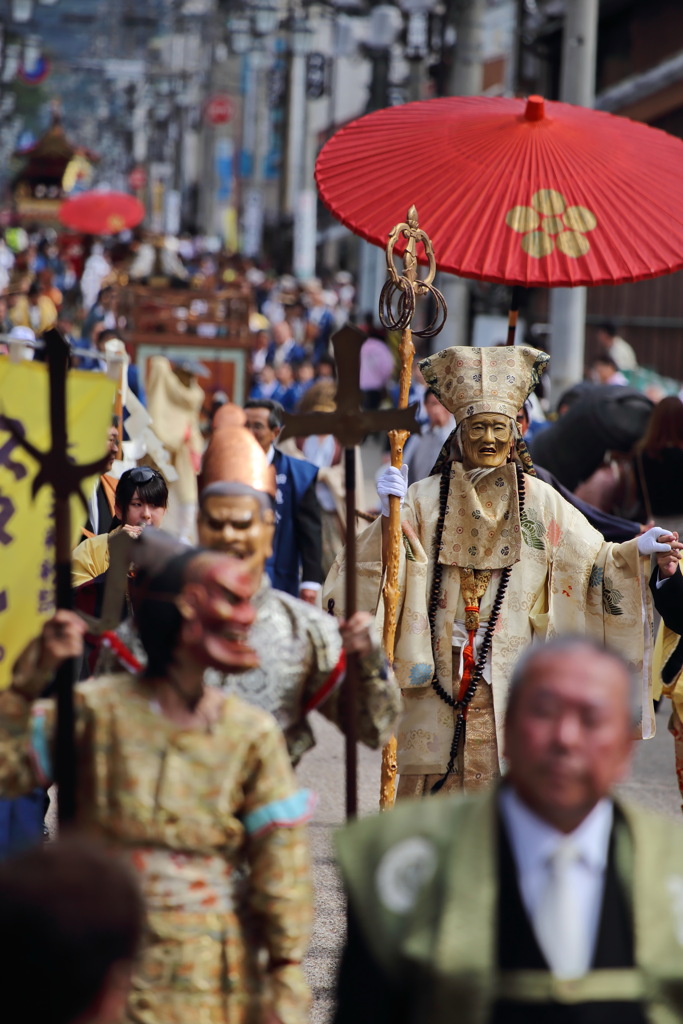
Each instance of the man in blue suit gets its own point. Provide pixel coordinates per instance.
(295, 564)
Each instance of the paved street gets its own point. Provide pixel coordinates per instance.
(653, 784)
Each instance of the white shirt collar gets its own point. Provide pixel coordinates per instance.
(270, 454)
(534, 841)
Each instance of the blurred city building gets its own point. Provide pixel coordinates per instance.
(213, 111)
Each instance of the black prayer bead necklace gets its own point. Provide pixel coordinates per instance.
(461, 706)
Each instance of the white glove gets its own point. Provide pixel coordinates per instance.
(647, 542)
(392, 481)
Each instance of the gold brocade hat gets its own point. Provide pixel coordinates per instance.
(468, 381)
(234, 460)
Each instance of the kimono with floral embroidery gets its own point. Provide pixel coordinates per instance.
(212, 822)
(567, 579)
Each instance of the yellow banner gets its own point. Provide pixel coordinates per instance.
(26, 524)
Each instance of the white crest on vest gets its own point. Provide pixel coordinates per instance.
(674, 884)
(403, 871)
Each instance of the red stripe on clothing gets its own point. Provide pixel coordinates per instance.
(125, 656)
(335, 678)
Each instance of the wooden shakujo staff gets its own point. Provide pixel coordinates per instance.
(404, 289)
(350, 424)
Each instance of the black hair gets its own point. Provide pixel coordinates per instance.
(275, 410)
(34, 288)
(152, 491)
(107, 334)
(157, 616)
(104, 291)
(609, 327)
(603, 357)
(70, 912)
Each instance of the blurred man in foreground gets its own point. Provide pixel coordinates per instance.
(73, 918)
(544, 901)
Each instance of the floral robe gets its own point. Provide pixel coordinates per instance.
(213, 824)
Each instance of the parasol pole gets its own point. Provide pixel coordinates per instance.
(406, 288)
(513, 313)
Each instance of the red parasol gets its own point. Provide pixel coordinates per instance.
(101, 213)
(513, 191)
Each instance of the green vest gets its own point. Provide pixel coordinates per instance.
(422, 881)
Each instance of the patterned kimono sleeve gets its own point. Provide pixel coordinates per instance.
(368, 572)
(274, 816)
(27, 728)
(619, 613)
(24, 736)
(378, 699)
(379, 695)
(594, 587)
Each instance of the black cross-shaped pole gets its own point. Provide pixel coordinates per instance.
(58, 470)
(350, 424)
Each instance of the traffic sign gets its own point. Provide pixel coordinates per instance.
(219, 109)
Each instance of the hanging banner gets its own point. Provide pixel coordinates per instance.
(26, 523)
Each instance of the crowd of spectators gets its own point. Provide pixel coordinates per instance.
(76, 282)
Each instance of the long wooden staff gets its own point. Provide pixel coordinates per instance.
(350, 424)
(405, 289)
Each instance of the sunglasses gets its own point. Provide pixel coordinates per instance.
(142, 474)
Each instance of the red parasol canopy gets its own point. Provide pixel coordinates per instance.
(101, 213)
(519, 192)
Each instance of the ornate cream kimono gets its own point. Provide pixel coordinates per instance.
(566, 580)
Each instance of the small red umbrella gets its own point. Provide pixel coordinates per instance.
(101, 213)
(519, 192)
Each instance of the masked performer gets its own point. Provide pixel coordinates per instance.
(192, 786)
(492, 559)
(302, 649)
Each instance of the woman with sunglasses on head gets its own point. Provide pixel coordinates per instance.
(141, 500)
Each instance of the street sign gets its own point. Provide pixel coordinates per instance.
(219, 109)
(316, 75)
(137, 178)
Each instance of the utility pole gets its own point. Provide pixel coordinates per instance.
(577, 85)
(466, 79)
(383, 30)
(255, 142)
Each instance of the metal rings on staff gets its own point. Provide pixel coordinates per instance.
(438, 320)
(405, 305)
